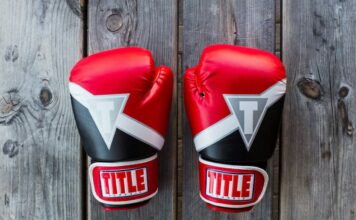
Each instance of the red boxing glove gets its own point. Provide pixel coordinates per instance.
(234, 99)
(121, 104)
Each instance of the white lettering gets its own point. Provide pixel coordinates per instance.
(229, 186)
(123, 183)
(248, 107)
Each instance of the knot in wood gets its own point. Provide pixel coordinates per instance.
(114, 22)
(7, 200)
(326, 155)
(345, 122)
(45, 96)
(11, 148)
(6, 108)
(9, 106)
(11, 53)
(310, 88)
(343, 92)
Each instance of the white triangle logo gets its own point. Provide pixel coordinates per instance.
(246, 115)
(249, 111)
(105, 110)
(107, 113)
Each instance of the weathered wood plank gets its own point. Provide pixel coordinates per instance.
(151, 24)
(243, 22)
(319, 145)
(40, 155)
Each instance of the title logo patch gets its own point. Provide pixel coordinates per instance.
(230, 186)
(123, 183)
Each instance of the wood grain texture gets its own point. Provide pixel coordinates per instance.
(319, 145)
(40, 164)
(243, 22)
(151, 24)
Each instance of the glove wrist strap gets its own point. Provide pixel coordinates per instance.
(123, 183)
(231, 186)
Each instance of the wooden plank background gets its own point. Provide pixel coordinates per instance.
(319, 145)
(43, 169)
(40, 154)
(150, 24)
(205, 22)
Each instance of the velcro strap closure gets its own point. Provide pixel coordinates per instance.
(123, 183)
(231, 186)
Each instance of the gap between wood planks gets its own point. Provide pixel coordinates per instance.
(85, 188)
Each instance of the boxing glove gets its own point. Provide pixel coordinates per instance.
(121, 105)
(234, 99)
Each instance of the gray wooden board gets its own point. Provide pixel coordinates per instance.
(40, 156)
(151, 24)
(319, 142)
(243, 22)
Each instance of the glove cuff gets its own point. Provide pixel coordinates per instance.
(231, 186)
(124, 183)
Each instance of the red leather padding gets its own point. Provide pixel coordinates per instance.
(123, 183)
(231, 186)
(129, 71)
(226, 69)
